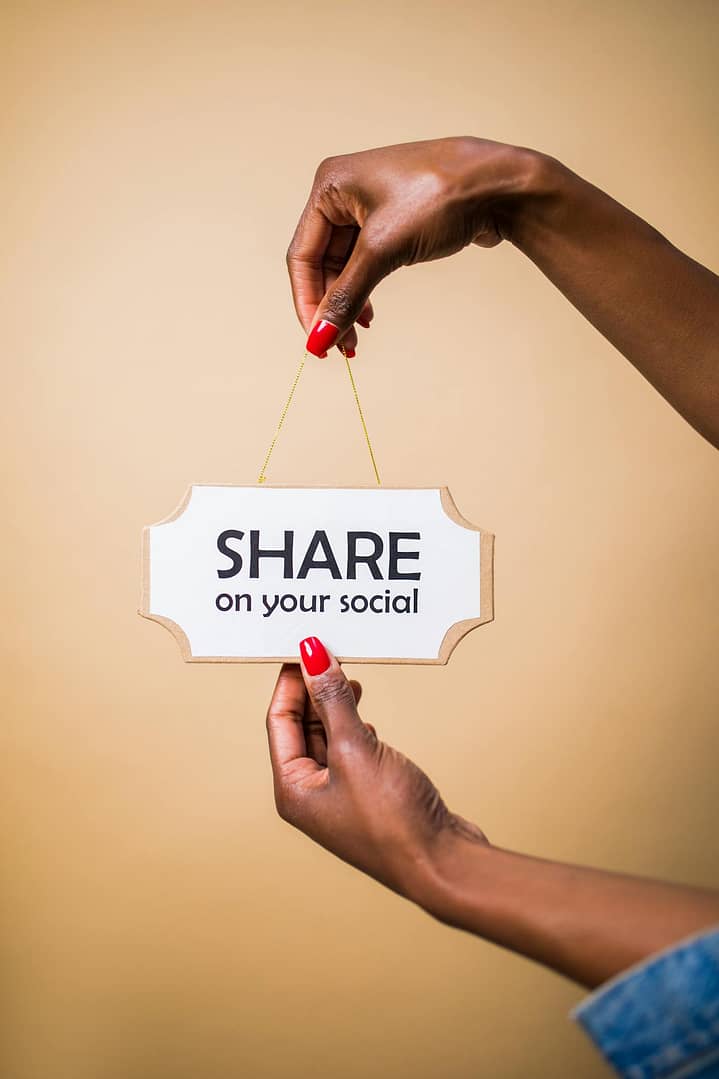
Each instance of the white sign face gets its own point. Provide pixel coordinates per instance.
(380, 575)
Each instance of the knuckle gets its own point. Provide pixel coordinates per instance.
(273, 718)
(333, 690)
(330, 181)
(327, 167)
(466, 144)
(341, 305)
(295, 252)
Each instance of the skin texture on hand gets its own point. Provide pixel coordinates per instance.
(371, 212)
(364, 801)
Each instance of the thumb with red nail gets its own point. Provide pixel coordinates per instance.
(371, 212)
(338, 783)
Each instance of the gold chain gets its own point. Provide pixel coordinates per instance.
(263, 471)
(361, 416)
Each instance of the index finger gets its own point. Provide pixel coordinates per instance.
(305, 258)
(285, 716)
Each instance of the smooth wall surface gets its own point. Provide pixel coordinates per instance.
(160, 922)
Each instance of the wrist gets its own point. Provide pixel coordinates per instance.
(450, 881)
(534, 193)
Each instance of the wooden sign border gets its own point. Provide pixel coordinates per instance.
(452, 637)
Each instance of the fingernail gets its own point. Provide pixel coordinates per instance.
(363, 321)
(350, 353)
(314, 655)
(322, 337)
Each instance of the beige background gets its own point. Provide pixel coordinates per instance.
(160, 922)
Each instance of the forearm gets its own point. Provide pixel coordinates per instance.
(584, 923)
(656, 305)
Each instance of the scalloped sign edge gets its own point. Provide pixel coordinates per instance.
(450, 640)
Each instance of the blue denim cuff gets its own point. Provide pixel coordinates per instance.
(660, 1020)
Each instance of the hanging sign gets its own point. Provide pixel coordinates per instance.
(385, 575)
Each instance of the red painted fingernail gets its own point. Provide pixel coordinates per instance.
(314, 655)
(363, 322)
(322, 337)
(350, 353)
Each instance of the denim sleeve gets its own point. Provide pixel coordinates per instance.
(660, 1020)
